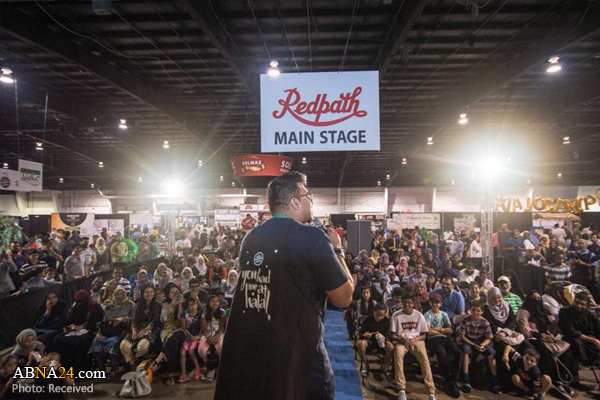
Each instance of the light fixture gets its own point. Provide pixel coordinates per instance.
(529, 181)
(430, 140)
(559, 175)
(7, 76)
(387, 177)
(274, 69)
(166, 144)
(221, 178)
(463, 119)
(566, 140)
(200, 163)
(303, 160)
(5, 165)
(101, 164)
(173, 188)
(39, 146)
(92, 186)
(232, 184)
(452, 183)
(508, 160)
(123, 124)
(140, 179)
(554, 65)
(61, 180)
(378, 183)
(404, 162)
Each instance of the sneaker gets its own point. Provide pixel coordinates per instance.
(432, 396)
(596, 391)
(528, 395)
(388, 375)
(496, 389)
(540, 396)
(561, 392)
(467, 388)
(364, 371)
(402, 395)
(568, 390)
(453, 390)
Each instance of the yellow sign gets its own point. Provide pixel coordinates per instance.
(546, 204)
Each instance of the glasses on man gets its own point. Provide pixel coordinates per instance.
(308, 195)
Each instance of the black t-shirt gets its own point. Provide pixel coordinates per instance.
(531, 377)
(48, 258)
(202, 296)
(370, 325)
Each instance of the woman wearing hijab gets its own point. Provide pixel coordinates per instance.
(382, 290)
(50, 318)
(228, 286)
(421, 299)
(183, 281)
(402, 268)
(74, 342)
(145, 327)
(102, 256)
(107, 291)
(538, 326)
(27, 347)
(117, 317)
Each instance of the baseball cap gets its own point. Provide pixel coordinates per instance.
(435, 297)
(503, 279)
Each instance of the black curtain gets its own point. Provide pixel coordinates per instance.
(341, 219)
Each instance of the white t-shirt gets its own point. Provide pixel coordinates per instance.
(559, 234)
(182, 243)
(476, 251)
(464, 277)
(409, 326)
(528, 244)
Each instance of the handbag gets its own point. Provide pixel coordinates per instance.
(137, 383)
(512, 338)
(556, 346)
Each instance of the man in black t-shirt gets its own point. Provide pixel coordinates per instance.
(374, 335)
(273, 346)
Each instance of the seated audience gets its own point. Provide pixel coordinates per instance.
(374, 336)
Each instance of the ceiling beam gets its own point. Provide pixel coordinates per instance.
(410, 12)
(552, 44)
(202, 13)
(37, 35)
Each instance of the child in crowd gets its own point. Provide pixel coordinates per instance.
(159, 295)
(473, 294)
(475, 334)
(191, 327)
(212, 325)
(526, 375)
(7, 370)
(374, 336)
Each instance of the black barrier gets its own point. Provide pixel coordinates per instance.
(18, 313)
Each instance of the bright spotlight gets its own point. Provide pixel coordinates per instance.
(173, 188)
(491, 167)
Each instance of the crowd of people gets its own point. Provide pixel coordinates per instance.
(427, 294)
(173, 317)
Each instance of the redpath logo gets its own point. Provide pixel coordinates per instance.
(347, 105)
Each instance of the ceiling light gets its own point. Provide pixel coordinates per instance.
(463, 119)
(166, 144)
(61, 180)
(221, 178)
(101, 164)
(404, 161)
(387, 177)
(378, 183)
(5, 165)
(123, 124)
(452, 183)
(92, 186)
(233, 184)
(508, 160)
(430, 140)
(274, 69)
(39, 146)
(140, 179)
(559, 175)
(200, 163)
(303, 160)
(6, 76)
(566, 140)
(529, 181)
(554, 65)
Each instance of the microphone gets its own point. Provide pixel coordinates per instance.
(319, 224)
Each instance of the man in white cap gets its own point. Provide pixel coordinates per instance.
(514, 300)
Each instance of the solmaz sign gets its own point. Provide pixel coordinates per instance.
(321, 111)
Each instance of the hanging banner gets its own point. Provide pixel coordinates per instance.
(74, 222)
(321, 111)
(422, 220)
(261, 165)
(547, 204)
(112, 226)
(394, 223)
(31, 176)
(10, 180)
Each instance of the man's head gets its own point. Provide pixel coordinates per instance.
(436, 301)
(515, 233)
(15, 247)
(118, 273)
(530, 358)
(476, 310)
(419, 267)
(379, 311)
(34, 257)
(397, 295)
(287, 194)
(77, 250)
(504, 284)
(582, 245)
(594, 238)
(447, 284)
(470, 268)
(407, 303)
(581, 302)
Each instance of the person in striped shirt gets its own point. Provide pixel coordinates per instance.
(559, 271)
(513, 299)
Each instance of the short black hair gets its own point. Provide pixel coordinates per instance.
(380, 307)
(477, 304)
(194, 281)
(533, 353)
(582, 296)
(397, 291)
(408, 296)
(282, 188)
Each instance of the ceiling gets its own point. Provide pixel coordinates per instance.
(187, 71)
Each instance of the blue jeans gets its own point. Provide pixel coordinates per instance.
(321, 382)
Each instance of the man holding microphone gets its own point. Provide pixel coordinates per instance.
(273, 346)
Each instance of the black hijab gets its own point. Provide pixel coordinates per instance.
(56, 311)
(537, 313)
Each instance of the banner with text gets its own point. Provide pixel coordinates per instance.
(31, 176)
(74, 222)
(260, 165)
(321, 111)
(422, 220)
